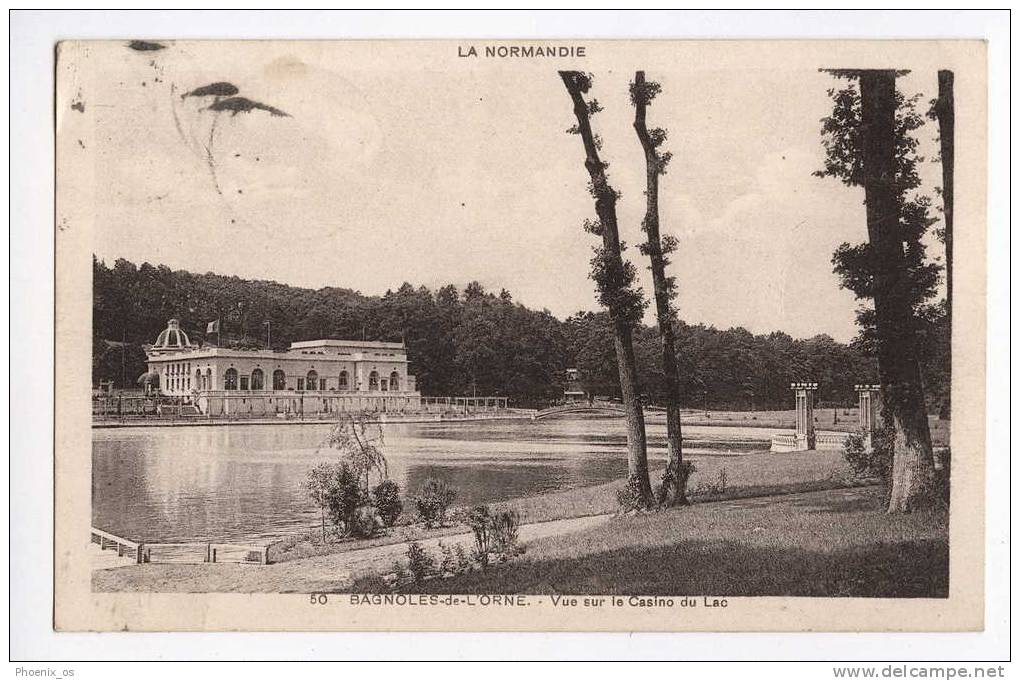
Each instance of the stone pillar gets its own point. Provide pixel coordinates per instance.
(868, 403)
(804, 393)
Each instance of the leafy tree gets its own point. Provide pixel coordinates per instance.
(613, 278)
(117, 361)
(359, 446)
(336, 488)
(505, 349)
(868, 142)
(319, 484)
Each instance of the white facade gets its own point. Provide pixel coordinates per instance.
(312, 376)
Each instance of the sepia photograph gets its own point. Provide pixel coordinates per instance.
(625, 333)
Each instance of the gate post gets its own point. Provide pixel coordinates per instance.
(868, 402)
(804, 393)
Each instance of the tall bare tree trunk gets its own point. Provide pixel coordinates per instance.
(617, 301)
(674, 479)
(899, 371)
(945, 112)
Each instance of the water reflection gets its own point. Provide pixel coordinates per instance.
(244, 482)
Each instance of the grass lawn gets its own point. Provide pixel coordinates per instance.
(718, 476)
(830, 543)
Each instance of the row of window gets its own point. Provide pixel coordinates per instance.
(177, 368)
(233, 381)
(178, 382)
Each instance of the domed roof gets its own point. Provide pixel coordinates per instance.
(172, 339)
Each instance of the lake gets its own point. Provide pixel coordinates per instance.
(244, 482)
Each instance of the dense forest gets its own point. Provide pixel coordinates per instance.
(462, 342)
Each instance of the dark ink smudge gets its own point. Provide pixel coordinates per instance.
(236, 105)
(145, 46)
(220, 89)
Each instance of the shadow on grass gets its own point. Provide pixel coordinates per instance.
(842, 501)
(902, 569)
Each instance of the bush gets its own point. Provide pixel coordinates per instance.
(480, 521)
(420, 562)
(504, 530)
(344, 497)
(365, 522)
(369, 583)
(463, 560)
(400, 571)
(386, 497)
(448, 562)
(433, 500)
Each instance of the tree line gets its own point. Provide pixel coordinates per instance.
(462, 341)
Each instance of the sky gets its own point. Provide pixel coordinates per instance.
(389, 169)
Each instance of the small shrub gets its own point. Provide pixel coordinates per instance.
(365, 522)
(463, 560)
(480, 521)
(448, 562)
(420, 562)
(369, 583)
(433, 500)
(400, 570)
(505, 524)
(386, 497)
(714, 488)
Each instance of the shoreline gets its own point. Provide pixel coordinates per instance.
(205, 421)
(656, 418)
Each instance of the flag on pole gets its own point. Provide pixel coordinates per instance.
(213, 327)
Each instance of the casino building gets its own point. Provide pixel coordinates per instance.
(311, 377)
